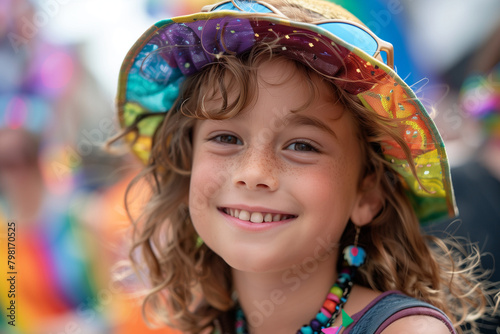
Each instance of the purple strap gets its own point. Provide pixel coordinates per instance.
(389, 307)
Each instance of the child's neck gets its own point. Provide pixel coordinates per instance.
(282, 302)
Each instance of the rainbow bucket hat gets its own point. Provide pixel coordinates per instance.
(171, 50)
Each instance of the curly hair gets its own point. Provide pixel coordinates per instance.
(191, 286)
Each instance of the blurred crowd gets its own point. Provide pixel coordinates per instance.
(65, 192)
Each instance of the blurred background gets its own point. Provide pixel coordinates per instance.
(59, 64)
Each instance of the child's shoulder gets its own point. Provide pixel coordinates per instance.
(417, 324)
(393, 312)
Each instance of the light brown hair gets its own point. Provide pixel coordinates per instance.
(191, 286)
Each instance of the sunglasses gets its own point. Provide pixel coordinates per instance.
(350, 32)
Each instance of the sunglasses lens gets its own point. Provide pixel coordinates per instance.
(246, 6)
(352, 35)
(383, 54)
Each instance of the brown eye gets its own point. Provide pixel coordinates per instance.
(228, 139)
(302, 147)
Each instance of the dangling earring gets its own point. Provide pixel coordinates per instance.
(354, 255)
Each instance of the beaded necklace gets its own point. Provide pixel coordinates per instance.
(335, 299)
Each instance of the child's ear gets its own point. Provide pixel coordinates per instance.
(369, 201)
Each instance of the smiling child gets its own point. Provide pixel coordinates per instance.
(291, 170)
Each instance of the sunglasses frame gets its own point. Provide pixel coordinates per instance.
(274, 10)
(382, 46)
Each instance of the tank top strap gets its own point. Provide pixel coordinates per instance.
(389, 307)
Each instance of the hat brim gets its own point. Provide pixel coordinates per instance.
(173, 49)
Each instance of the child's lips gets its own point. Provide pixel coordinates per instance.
(257, 217)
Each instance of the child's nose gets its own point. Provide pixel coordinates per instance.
(257, 170)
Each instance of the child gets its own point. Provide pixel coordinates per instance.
(291, 168)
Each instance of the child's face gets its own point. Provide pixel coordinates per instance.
(300, 168)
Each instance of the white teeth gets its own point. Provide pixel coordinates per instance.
(256, 217)
(244, 215)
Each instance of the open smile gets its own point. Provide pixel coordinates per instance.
(256, 217)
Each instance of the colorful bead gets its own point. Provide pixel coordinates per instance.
(335, 298)
(322, 318)
(315, 325)
(326, 312)
(337, 291)
(329, 305)
(344, 278)
(306, 330)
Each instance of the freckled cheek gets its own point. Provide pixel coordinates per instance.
(208, 178)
